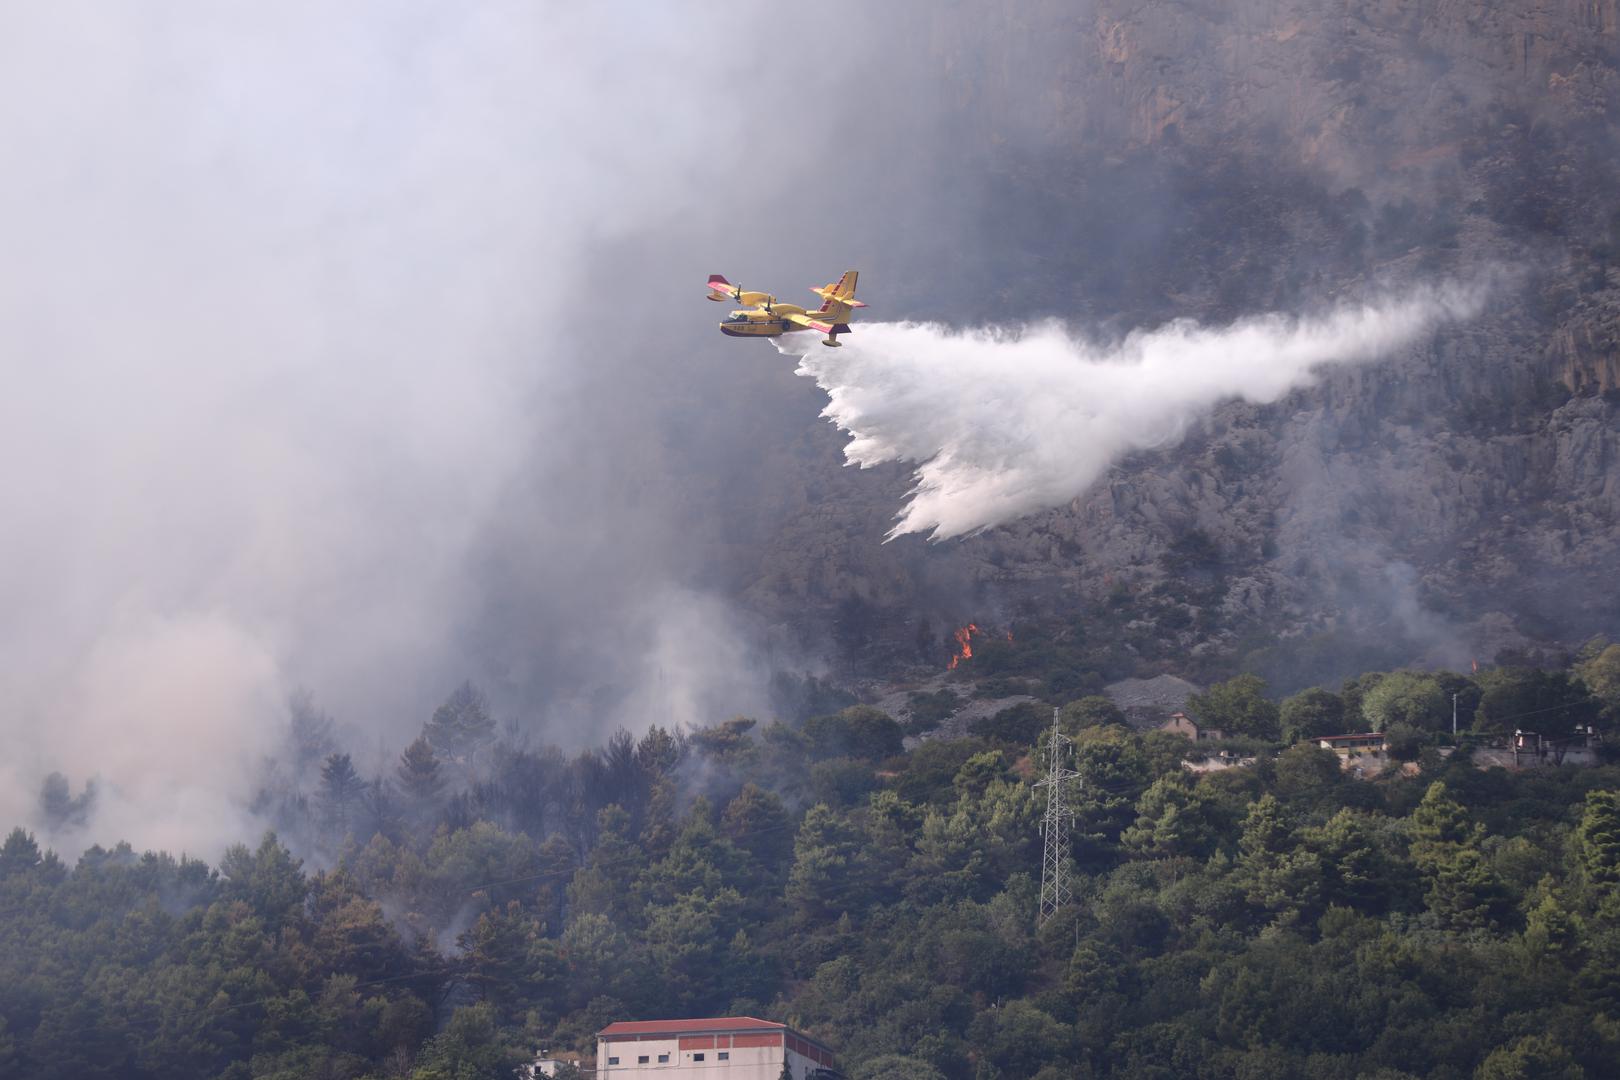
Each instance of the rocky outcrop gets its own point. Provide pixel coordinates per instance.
(1150, 702)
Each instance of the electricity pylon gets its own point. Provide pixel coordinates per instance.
(1055, 826)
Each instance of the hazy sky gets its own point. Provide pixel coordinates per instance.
(337, 341)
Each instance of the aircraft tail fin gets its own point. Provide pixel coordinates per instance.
(840, 292)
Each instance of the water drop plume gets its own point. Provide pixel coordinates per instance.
(1002, 422)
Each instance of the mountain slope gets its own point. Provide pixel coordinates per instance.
(1142, 162)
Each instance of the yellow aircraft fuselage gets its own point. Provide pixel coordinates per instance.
(757, 322)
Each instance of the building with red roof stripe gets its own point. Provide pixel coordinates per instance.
(712, 1048)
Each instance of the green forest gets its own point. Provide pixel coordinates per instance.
(487, 898)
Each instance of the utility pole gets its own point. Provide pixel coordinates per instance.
(1453, 717)
(1055, 826)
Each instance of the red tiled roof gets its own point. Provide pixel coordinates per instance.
(683, 1027)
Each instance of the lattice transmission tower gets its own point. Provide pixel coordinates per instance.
(1056, 825)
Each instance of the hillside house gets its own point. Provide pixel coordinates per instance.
(722, 1048)
(1185, 726)
(1531, 749)
(548, 1063)
(1362, 754)
(1364, 742)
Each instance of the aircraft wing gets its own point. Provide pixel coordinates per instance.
(720, 288)
(809, 323)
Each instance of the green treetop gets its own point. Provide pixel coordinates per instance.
(1238, 706)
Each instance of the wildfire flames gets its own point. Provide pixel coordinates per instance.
(964, 645)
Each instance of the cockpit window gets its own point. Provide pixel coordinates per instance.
(737, 316)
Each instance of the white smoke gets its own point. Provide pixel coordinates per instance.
(1002, 423)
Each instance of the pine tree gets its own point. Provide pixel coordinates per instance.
(757, 822)
(1265, 832)
(378, 810)
(1114, 771)
(495, 952)
(1279, 875)
(1463, 890)
(659, 752)
(1551, 932)
(1533, 1057)
(821, 860)
(1356, 873)
(19, 853)
(418, 772)
(268, 879)
(1437, 825)
(1599, 838)
(1597, 983)
(462, 725)
(1172, 819)
(341, 788)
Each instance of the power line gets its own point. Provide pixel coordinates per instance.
(1550, 708)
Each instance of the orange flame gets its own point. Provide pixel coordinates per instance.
(964, 645)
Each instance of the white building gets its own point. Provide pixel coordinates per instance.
(725, 1048)
(546, 1065)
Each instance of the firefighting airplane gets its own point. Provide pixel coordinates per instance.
(762, 316)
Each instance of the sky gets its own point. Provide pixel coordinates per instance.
(339, 346)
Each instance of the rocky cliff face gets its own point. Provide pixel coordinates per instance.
(1144, 161)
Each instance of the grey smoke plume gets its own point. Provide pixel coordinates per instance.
(1004, 422)
(326, 364)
